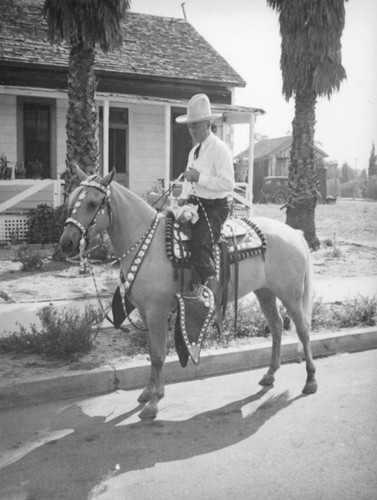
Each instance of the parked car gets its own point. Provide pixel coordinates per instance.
(275, 189)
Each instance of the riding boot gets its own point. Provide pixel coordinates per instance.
(195, 280)
(213, 284)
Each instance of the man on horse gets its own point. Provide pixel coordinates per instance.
(209, 182)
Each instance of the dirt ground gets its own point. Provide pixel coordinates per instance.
(347, 230)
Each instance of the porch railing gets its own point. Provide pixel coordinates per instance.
(34, 187)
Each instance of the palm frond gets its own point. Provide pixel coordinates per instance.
(90, 22)
(311, 44)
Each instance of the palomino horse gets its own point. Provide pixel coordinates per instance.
(285, 271)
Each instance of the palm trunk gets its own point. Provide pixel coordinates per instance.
(303, 180)
(82, 118)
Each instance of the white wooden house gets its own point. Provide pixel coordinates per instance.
(142, 87)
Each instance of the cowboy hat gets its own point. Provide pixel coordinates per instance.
(198, 110)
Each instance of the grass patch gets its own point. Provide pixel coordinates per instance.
(69, 335)
(63, 335)
(251, 322)
(361, 311)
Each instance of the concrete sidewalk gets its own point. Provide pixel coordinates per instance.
(135, 374)
(68, 384)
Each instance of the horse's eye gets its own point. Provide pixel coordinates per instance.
(93, 204)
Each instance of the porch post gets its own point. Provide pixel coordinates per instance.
(251, 162)
(167, 146)
(105, 137)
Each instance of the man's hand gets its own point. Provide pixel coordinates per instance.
(182, 201)
(191, 175)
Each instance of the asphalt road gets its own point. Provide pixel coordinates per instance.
(218, 438)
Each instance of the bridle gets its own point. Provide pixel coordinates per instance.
(105, 202)
(143, 243)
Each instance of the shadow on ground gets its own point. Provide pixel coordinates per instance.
(71, 467)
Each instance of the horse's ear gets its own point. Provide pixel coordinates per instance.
(108, 178)
(80, 174)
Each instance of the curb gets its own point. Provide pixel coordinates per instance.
(110, 378)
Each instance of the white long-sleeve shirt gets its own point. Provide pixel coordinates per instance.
(215, 167)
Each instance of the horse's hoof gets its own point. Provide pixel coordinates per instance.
(267, 380)
(310, 387)
(145, 396)
(149, 412)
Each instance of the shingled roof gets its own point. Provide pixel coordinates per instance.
(268, 147)
(153, 46)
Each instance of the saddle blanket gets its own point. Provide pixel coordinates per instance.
(242, 236)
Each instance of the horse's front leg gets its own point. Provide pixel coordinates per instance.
(156, 320)
(149, 390)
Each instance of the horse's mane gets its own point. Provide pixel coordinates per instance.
(118, 192)
(134, 199)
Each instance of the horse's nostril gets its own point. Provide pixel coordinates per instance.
(66, 245)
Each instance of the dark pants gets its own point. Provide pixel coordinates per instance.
(204, 238)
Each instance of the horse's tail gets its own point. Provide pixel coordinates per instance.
(307, 299)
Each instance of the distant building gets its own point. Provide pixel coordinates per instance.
(271, 158)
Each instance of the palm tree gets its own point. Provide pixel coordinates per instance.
(84, 25)
(311, 67)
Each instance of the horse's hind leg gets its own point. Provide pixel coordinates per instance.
(267, 301)
(303, 327)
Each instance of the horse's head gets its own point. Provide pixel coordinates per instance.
(90, 211)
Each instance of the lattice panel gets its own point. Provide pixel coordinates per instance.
(13, 226)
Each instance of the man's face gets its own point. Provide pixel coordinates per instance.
(199, 131)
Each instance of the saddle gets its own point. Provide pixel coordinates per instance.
(240, 239)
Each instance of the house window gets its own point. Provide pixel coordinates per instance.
(37, 136)
(118, 142)
(282, 166)
(36, 118)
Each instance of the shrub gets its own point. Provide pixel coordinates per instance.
(350, 189)
(46, 224)
(250, 320)
(63, 335)
(361, 311)
(31, 260)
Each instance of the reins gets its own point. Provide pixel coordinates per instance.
(143, 243)
(168, 191)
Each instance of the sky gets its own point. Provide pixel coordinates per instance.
(246, 34)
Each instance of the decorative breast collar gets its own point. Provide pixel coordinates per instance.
(145, 244)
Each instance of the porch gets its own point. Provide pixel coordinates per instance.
(18, 197)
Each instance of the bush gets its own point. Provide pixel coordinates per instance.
(63, 335)
(350, 189)
(31, 260)
(250, 320)
(46, 224)
(361, 311)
